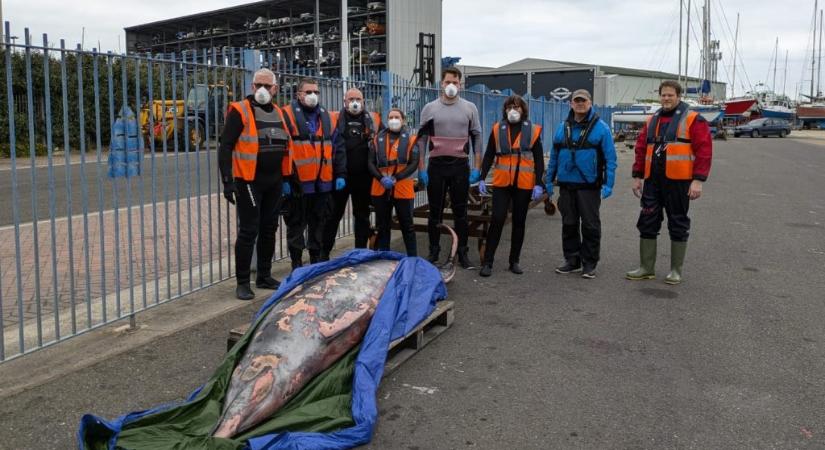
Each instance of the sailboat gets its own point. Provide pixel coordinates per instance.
(737, 108)
(640, 113)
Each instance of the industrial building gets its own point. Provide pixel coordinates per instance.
(399, 36)
(558, 79)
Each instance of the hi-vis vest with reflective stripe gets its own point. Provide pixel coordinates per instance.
(311, 155)
(515, 155)
(245, 153)
(390, 161)
(676, 139)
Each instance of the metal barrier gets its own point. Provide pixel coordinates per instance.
(115, 201)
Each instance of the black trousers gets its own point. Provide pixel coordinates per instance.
(581, 227)
(383, 220)
(358, 189)
(502, 199)
(453, 179)
(307, 212)
(258, 204)
(671, 195)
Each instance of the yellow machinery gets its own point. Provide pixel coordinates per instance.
(189, 116)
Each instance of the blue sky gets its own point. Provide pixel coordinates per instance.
(628, 33)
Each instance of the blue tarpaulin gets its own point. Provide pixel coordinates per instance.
(408, 298)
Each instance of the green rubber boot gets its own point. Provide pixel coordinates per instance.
(647, 255)
(677, 258)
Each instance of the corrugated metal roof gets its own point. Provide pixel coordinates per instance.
(547, 64)
(237, 13)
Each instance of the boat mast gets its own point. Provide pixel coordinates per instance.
(735, 41)
(813, 50)
(785, 77)
(775, 57)
(681, 4)
(819, 65)
(704, 67)
(687, 47)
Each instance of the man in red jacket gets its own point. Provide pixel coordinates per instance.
(673, 157)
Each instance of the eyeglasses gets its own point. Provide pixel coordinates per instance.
(580, 100)
(312, 92)
(262, 85)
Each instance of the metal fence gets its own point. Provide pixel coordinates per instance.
(110, 161)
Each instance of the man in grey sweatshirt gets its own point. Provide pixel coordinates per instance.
(452, 127)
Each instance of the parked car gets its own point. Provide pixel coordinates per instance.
(763, 127)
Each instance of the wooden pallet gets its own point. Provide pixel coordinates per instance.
(402, 348)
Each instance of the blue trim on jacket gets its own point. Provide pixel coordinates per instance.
(560, 168)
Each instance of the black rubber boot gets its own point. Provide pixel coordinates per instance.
(434, 251)
(244, 292)
(486, 270)
(267, 282)
(314, 258)
(464, 259)
(296, 258)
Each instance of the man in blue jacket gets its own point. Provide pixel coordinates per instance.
(583, 164)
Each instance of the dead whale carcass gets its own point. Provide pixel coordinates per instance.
(300, 337)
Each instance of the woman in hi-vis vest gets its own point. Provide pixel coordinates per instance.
(393, 158)
(515, 154)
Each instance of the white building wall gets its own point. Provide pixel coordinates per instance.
(405, 19)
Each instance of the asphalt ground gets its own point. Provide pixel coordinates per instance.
(176, 175)
(732, 358)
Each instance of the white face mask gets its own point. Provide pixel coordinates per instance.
(354, 107)
(394, 125)
(451, 90)
(311, 100)
(513, 116)
(262, 96)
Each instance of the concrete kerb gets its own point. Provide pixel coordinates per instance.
(106, 341)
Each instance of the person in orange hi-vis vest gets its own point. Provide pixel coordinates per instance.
(392, 160)
(514, 152)
(317, 169)
(254, 160)
(673, 158)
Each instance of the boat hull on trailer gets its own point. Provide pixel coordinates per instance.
(738, 107)
(778, 112)
(811, 112)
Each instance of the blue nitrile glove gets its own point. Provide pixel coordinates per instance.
(340, 184)
(607, 191)
(537, 191)
(549, 188)
(287, 189)
(475, 176)
(482, 187)
(387, 182)
(423, 177)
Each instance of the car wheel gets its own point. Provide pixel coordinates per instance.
(735, 134)
(781, 133)
(755, 133)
